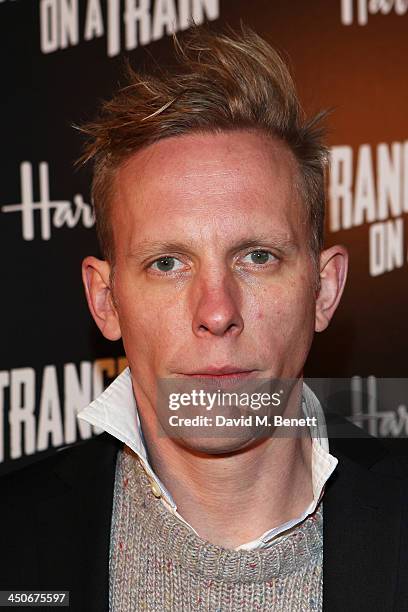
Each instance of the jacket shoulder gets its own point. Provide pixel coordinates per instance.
(383, 456)
(45, 477)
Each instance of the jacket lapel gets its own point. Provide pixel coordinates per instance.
(361, 535)
(78, 513)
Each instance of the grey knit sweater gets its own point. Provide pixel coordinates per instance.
(158, 564)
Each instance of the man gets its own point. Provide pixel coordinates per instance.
(209, 197)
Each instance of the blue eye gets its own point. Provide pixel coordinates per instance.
(166, 264)
(260, 256)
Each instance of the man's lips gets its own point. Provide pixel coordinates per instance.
(226, 377)
(221, 373)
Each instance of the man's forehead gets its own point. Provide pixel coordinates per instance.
(227, 161)
(203, 184)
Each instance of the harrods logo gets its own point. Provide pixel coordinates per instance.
(140, 21)
(358, 11)
(53, 213)
(378, 406)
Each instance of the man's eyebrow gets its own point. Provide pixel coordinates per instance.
(147, 248)
(279, 241)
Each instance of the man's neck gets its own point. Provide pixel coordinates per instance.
(231, 499)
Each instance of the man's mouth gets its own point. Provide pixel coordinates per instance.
(224, 374)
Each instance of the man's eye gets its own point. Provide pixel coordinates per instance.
(259, 257)
(167, 264)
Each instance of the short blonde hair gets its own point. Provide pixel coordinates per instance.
(221, 81)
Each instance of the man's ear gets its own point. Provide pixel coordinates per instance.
(333, 274)
(96, 279)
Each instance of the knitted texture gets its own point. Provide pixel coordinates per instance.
(157, 563)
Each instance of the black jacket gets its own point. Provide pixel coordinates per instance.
(55, 526)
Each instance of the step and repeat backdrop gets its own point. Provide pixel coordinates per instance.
(60, 58)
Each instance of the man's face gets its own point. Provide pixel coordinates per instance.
(213, 265)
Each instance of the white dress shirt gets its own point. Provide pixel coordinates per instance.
(116, 412)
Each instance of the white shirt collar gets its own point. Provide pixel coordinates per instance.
(115, 411)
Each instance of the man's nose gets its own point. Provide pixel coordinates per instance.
(217, 308)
